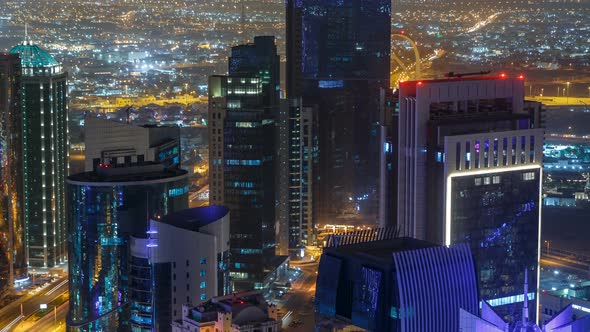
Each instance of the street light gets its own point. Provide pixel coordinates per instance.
(567, 91)
(547, 242)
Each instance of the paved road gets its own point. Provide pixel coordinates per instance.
(52, 322)
(578, 268)
(30, 303)
(297, 304)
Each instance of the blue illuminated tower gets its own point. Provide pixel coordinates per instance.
(105, 208)
(45, 155)
(337, 60)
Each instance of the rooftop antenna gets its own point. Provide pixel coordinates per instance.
(243, 21)
(26, 33)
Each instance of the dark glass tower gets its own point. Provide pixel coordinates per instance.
(45, 155)
(106, 207)
(12, 252)
(242, 111)
(337, 60)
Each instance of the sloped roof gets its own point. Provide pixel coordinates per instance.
(32, 56)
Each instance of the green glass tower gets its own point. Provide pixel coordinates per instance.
(45, 155)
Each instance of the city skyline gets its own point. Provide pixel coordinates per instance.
(167, 164)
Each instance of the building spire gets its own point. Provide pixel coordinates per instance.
(243, 22)
(26, 33)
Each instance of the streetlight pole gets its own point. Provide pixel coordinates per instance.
(567, 91)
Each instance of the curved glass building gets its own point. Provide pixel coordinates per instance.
(107, 207)
(45, 155)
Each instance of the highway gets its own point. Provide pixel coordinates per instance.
(10, 314)
(297, 304)
(52, 322)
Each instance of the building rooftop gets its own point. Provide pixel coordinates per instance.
(32, 56)
(381, 250)
(195, 218)
(145, 172)
(245, 308)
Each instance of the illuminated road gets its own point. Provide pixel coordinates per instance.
(30, 304)
(481, 24)
(52, 322)
(297, 304)
(561, 101)
(567, 264)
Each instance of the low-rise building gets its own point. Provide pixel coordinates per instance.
(239, 312)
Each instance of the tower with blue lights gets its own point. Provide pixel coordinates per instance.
(45, 155)
(338, 59)
(107, 207)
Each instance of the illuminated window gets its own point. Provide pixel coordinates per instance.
(528, 176)
(203, 284)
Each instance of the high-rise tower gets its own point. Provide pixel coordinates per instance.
(337, 61)
(45, 155)
(243, 110)
(12, 262)
(469, 171)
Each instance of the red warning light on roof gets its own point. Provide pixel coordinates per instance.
(503, 75)
(420, 83)
(521, 77)
(403, 32)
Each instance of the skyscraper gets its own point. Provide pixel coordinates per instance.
(337, 60)
(131, 181)
(297, 157)
(45, 155)
(13, 261)
(105, 208)
(470, 167)
(243, 108)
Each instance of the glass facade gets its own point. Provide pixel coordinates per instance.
(101, 217)
(45, 155)
(497, 214)
(260, 61)
(252, 206)
(338, 55)
(243, 110)
(12, 250)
